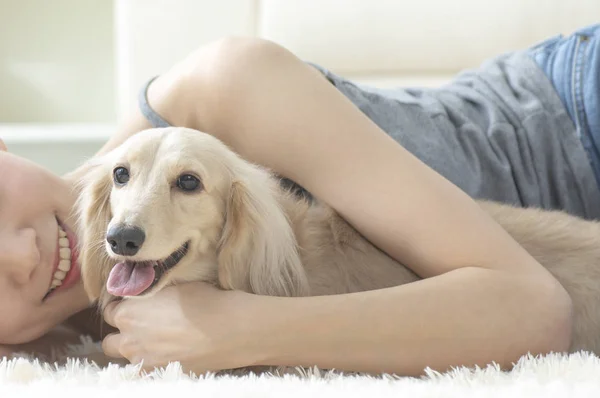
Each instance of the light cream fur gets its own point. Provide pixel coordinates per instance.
(249, 233)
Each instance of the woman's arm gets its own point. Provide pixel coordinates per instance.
(465, 317)
(486, 299)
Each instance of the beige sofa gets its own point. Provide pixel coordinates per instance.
(382, 42)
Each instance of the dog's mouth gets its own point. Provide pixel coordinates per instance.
(134, 278)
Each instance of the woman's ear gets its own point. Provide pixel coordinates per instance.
(257, 251)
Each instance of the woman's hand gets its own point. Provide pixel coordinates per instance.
(204, 328)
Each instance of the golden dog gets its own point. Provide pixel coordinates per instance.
(175, 205)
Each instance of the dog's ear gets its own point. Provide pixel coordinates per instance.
(258, 251)
(92, 212)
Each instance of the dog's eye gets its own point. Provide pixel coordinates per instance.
(188, 183)
(121, 175)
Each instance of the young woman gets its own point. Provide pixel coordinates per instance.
(402, 166)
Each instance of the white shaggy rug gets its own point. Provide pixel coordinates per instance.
(576, 375)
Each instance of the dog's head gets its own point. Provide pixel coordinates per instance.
(176, 205)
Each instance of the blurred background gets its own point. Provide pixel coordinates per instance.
(70, 69)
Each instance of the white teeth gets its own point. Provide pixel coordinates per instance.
(65, 259)
(64, 265)
(65, 253)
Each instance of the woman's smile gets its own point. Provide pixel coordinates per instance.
(65, 271)
(35, 259)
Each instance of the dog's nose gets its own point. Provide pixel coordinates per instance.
(125, 240)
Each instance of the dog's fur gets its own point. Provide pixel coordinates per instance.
(248, 233)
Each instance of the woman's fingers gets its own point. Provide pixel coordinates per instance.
(110, 313)
(111, 345)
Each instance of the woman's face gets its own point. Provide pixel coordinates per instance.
(35, 256)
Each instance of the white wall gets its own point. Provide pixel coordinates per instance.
(58, 147)
(57, 67)
(57, 61)
(83, 61)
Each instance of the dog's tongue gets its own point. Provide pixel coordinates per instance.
(129, 279)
